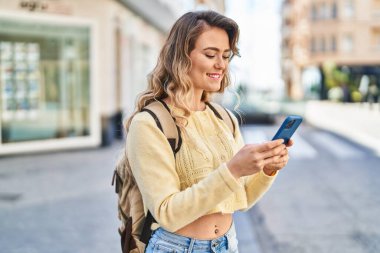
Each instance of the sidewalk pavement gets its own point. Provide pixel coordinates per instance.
(357, 122)
(64, 201)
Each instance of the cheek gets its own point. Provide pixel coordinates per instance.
(200, 66)
(195, 74)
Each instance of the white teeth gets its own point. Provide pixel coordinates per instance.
(213, 76)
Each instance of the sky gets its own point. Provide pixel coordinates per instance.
(259, 22)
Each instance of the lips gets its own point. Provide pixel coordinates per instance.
(214, 75)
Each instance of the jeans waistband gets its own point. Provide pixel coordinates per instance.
(197, 243)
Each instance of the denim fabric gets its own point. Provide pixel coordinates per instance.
(163, 241)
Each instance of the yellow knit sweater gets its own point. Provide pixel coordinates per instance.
(197, 182)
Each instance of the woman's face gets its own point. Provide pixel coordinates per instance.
(209, 58)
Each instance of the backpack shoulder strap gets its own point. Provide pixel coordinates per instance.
(147, 230)
(165, 122)
(222, 114)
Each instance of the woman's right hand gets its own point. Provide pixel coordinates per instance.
(252, 158)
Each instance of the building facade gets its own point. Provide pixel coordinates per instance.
(315, 32)
(71, 70)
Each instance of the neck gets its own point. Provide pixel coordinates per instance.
(197, 104)
(200, 106)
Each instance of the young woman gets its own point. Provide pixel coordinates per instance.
(194, 194)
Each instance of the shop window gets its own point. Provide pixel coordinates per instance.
(44, 81)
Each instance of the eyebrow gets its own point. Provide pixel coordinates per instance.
(216, 49)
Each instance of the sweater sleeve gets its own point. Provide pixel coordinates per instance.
(255, 185)
(153, 166)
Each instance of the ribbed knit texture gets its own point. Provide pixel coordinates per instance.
(196, 183)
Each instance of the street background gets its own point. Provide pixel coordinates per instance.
(71, 70)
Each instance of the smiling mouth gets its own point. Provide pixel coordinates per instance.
(214, 76)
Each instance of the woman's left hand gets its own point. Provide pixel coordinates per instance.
(280, 162)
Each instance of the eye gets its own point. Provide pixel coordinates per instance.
(210, 56)
(228, 56)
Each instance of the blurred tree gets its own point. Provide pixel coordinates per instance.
(356, 96)
(338, 83)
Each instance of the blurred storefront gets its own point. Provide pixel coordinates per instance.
(71, 70)
(345, 33)
(46, 87)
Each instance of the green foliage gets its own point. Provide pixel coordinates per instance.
(335, 77)
(356, 96)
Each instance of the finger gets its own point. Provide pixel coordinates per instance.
(284, 152)
(280, 163)
(278, 160)
(272, 160)
(273, 152)
(290, 143)
(268, 145)
(284, 159)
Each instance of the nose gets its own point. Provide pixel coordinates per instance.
(220, 63)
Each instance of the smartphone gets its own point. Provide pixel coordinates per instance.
(288, 127)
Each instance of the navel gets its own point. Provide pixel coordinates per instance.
(216, 229)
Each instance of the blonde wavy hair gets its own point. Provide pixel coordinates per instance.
(170, 77)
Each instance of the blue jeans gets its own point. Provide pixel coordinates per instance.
(163, 241)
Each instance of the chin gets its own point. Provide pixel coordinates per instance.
(214, 87)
